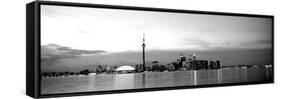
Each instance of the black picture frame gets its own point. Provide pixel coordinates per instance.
(33, 47)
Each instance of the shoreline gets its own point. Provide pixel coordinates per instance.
(147, 72)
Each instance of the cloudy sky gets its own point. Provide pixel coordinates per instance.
(80, 31)
(121, 30)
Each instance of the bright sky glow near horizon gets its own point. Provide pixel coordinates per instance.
(122, 30)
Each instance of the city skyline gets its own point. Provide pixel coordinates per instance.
(77, 36)
(90, 48)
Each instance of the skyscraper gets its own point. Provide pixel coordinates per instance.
(218, 64)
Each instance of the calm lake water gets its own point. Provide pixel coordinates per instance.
(153, 80)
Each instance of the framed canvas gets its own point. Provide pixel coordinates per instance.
(89, 49)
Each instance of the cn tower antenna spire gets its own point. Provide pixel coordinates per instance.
(143, 38)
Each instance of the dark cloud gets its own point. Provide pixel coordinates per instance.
(77, 52)
(263, 42)
(258, 44)
(198, 42)
(226, 43)
(266, 43)
(51, 53)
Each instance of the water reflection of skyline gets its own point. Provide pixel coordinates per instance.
(154, 80)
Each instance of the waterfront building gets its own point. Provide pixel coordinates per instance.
(218, 64)
(125, 69)
(194, 64)
(178, 66)
(214, 64)
(198, 64)
(181, 62)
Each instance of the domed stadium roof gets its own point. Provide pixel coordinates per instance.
(125, 68)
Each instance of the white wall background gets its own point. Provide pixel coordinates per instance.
(12, 52)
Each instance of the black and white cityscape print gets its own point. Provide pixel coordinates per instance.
(101, 49)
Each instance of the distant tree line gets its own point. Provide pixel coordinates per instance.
(66, 73)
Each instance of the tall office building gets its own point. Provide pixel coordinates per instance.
(218, 64)
(181, 61)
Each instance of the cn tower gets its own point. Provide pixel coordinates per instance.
(143, 51)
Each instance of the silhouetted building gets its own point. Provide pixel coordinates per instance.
(212, 64)
(218, 64)
(194, 56)
(181, 61)
(179, 64)
(182, 58)
(215, 64)
(198, 64)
